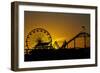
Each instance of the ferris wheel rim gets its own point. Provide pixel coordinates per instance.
(37, 30)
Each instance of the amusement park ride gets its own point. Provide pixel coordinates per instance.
(40, 38)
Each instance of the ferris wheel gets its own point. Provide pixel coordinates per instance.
(38, 37)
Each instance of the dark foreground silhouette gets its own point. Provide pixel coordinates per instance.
(59, 54)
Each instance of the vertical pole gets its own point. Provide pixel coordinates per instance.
(26, 51)
(74, 44)
(67, 45)
(84, 40)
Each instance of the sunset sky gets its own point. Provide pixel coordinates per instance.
(61, 26)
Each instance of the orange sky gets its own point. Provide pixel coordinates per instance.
(61, 26)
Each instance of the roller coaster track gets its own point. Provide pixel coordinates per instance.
(81, 34)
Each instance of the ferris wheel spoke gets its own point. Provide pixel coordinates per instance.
(38, 35)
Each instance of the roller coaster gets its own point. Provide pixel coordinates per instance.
(40, 38)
